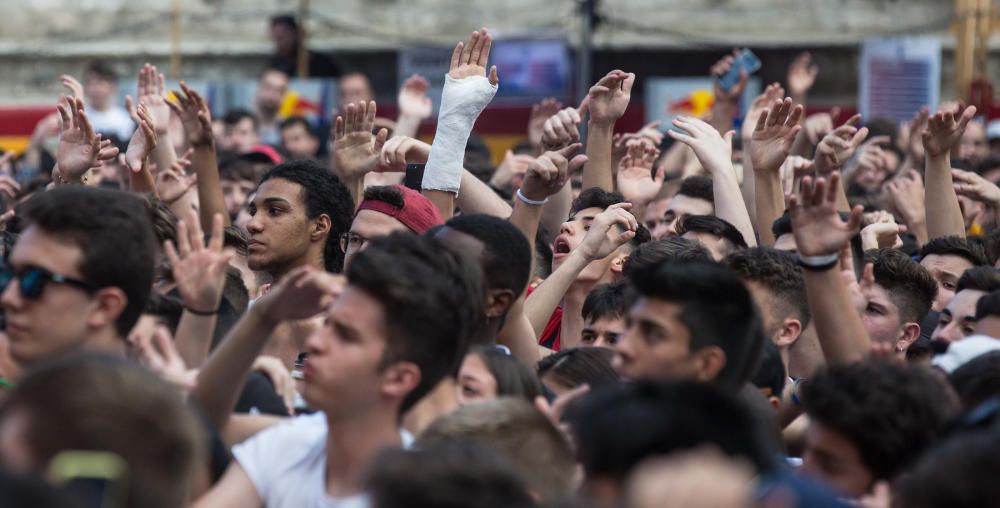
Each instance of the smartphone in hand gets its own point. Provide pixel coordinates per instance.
(744, 61)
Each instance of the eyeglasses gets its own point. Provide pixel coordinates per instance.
(351, 241)
(33, 279)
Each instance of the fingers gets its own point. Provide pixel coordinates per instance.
(469, 48)
(217, 239)
(855, 218)
(494, 79)
(853, 121)
(484, 50)
(456, 55)
(369, 117)
(570, 150)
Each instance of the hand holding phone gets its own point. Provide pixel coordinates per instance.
(743, 61)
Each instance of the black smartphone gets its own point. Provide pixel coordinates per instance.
(414, 176)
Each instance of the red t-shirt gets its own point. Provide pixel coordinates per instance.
(550, 335)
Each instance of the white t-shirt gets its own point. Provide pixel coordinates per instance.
(113, 121)
(287, 464)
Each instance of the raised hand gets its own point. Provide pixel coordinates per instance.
(193, 111)
(837, 147)
(758, 106)
(816, 225)
(636, 181)
(547, 174)
(470, 59)
(80, 148)
(611, 229)
(944, 130)
(975, 187)
(303, 293)
(355, 149)
(720, 68)
(907, 193)
(199, 270)
(539, 114)
(801, 75)
(413, 100)
(151, 92)
(399, 151)
(609, 98)
(160, 355)
(561, 128)
(774, 134)
(794, 167)
(881, 231)
(816, 126)
(173, 182)
(143, 141)
(911, 135)
(74, 86)
(714, 150)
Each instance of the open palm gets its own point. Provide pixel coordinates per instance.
(774, 134)
(355, 149)
(470, 59)
(636, 181)
(816, 224)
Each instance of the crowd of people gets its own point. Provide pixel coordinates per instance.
(759, 308)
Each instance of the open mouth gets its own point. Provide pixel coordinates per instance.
(560, 246)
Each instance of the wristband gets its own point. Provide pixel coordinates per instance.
(201, 312)
(532, 202)
(818, 263)
(462, 100)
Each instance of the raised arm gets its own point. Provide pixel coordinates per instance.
(200, 274)
(152, 93)
(907, 194)
(193, 111)
(715, 153)
(355, 149)
(414, 106)
(607, 102)
(545, 177)
(801, 77)
(770, 144)
(142, 144)
(80, 148)
(466, 93)
(835, 150)
(726, 105)
(820, 234)
(601, 240)
(637, 181)
(303, 294)
(944, 217)
(749, 184)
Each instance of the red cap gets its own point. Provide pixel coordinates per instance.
(417, 213)
(263, 153)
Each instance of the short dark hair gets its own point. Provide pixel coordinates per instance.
(782, 225)
(514, 379)
(163, 219)
(959, 473)
(235, 116)
(580, 365)
(909, 285)
(236, 169)
(100, 70)
(714, 226)
(112, 404)
(955, 246)
(617, 427)
(988, 305)
(771, 372)
(507, 254)
(606, 300)
(595, 197)
(979, 278)
(697, 187)
(674, 249)
(456, 473)
(386, 194)
(977, 380)
(890, 412)
(296, 120)
(431, 299)
(113, 230)
(780, 274)
(716, 308)
(323, 193)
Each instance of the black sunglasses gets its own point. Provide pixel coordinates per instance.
(33, 279)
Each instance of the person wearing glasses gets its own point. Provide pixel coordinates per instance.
(386, 209)
(79, 275)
